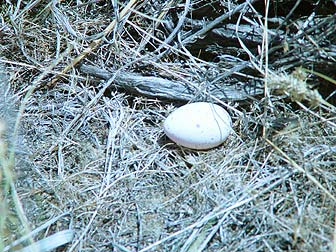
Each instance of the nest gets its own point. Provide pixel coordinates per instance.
(86, 85)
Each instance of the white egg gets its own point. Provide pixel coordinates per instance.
(199, 125)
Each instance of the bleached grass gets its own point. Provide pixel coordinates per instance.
(96, 167)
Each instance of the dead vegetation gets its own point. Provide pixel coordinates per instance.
(86, 85)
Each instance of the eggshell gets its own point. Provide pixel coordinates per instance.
(199, 125)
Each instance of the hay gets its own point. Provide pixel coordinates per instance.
(91, 157)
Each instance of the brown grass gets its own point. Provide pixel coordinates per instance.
(93, 161)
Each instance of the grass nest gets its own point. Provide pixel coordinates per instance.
(86, 85)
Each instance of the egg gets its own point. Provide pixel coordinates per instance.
(199, 125)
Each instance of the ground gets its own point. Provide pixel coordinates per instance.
(85, 161)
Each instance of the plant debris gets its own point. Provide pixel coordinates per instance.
(84, 108)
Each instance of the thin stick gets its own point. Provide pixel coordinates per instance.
(214, 23)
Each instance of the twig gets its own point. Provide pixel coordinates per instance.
(175, 31)
(214, 23)
(168, 89)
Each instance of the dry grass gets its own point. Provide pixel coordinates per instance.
(93, 165)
